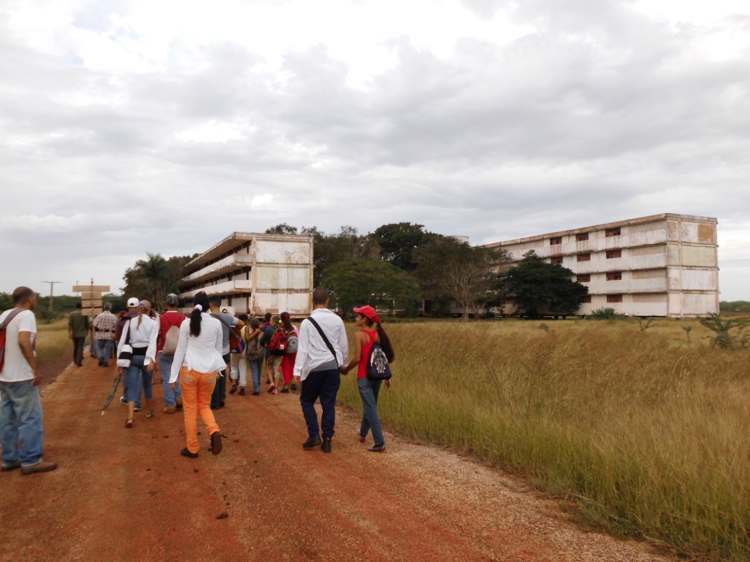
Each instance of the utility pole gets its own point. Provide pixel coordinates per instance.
(51, 293)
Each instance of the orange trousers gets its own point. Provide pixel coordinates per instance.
(196, 399)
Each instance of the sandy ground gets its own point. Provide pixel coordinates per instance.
(126, 494)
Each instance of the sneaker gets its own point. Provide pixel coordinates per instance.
(284, 391)
(179, 404)
(169, 410)
(216, 442)
(137, 409)
(377, 448)
(243, 392)
(38, 467)
(7, 467)
(326, 446)
(275, 392)
(311, 444)
(362, 439)
(123, 401)
(188, 454)
(271, 389)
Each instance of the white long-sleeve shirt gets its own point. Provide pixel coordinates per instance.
(143, 335)
(312, 352)
(202, 353)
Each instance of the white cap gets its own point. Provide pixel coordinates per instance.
(133, 302)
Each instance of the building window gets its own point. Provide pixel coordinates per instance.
(584, 278)
(582, 237)
(583, 257)
(614, 298)
(614, 275)
(557, 260)
(613, 232)
(612, 254)
(556, 241)
(587, 299)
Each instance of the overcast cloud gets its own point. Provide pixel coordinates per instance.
(137, 126)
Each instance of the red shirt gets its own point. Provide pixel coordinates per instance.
(166, 321)
(365, 354)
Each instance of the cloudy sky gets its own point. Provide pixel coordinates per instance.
(137, 126)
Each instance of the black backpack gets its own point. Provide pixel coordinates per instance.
(378, 366)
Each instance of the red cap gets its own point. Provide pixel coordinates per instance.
(368, 312)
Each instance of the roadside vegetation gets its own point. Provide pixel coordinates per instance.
(644, 429)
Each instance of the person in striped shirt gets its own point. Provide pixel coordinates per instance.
(105, 325)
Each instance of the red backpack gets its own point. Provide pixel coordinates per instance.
(3, 329)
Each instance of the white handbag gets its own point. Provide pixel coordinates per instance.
(126, 351)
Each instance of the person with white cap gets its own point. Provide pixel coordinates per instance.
(122, 321)
(140, 333)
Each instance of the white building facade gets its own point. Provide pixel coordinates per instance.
(255, 273)
(660, 265)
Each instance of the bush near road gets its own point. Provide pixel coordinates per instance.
(645, 430)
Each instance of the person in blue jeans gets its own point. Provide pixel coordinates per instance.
(370, 332)
(322, 350)
(166, 345)
(21, 419)
(140, 333)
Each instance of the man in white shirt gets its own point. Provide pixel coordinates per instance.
(21, 425)
(322, 351)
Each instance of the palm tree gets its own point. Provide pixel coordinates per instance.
(155, 272)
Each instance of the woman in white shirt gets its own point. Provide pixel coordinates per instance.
(140, 332)
(197, 362)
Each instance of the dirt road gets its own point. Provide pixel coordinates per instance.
(126, 494)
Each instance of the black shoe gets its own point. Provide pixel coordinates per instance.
(216, 442)
(242, 391)
(256, 393)
(284, 391)
(233, 389)
(377, 448)
(311, 444)
(326, 446)
(188, 454)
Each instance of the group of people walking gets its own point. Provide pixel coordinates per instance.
(195, 354)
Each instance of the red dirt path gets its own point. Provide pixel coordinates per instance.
(126, 494)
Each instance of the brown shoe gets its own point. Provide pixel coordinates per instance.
(170, 410)
(38, 467)
(216, 442)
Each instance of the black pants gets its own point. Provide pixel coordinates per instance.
(220, 390)
(323, 385)
(78, 345)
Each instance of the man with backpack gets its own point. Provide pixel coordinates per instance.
(21, 424)
(228, 321)
(322, 349)
(166, 345)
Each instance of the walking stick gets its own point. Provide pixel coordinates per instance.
(115, 384)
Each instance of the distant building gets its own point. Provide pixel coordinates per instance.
(660, 265)
(255, 273)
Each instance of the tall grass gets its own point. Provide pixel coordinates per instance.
(52, 340)
(648, 434)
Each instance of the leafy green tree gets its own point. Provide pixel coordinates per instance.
(367, 281)
(6, 301)
(348, 244)
(154, 277)
(538, 288)
(399, 241)
(448, 268)
(282, 228)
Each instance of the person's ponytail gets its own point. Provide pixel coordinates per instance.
(385, 343)
(200, 303)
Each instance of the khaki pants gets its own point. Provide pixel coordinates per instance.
(196, 400)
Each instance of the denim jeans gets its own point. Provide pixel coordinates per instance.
(219, 395)
(323, 385)
(368, 392)
(165, 367)
(138, 380)
(104, 351)
(255, 367)
(21, 423)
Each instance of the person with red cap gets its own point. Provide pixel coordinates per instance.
(370, 333)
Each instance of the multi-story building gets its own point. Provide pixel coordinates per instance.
(660, 265)
(255, 273)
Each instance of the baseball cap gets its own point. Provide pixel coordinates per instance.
(133, 302)
(368, 312)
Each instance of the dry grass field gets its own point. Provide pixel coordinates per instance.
(646, 431)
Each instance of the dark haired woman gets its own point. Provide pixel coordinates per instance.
(197, 362)
(370, 331)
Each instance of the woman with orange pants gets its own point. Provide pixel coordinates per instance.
(197, 362)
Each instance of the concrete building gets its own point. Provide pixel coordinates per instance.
(660, 265)
(255, 273)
